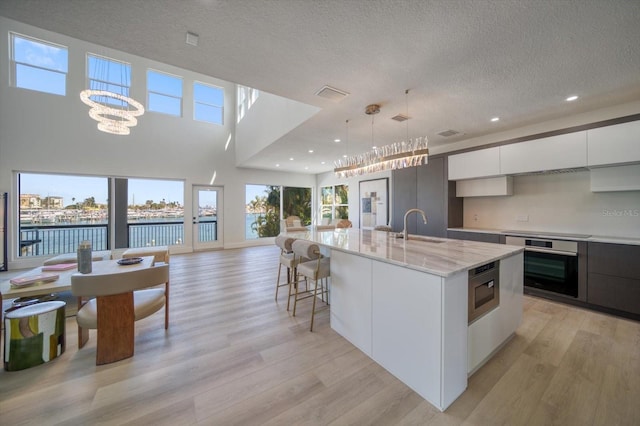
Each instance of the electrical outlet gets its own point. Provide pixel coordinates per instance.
(475, 217)
(522, 218)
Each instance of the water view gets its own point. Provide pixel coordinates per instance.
(49, 233)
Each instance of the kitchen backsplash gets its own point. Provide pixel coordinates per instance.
(557, 203)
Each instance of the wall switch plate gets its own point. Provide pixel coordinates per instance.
(522, 218)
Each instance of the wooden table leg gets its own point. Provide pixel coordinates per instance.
(83, 333)
(166, 305)
(115, 328)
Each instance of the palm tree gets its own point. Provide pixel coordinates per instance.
(297, 202)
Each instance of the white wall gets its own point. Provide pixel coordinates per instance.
(558, 203)
(270, 118)
(54, 134)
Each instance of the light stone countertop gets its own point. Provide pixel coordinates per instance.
(442, 258)
(539, 234)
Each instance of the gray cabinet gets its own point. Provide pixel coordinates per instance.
(427, 188)
(405, 197)
(614, 276)
(485, 237)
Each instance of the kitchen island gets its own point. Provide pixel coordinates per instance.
(404, 303)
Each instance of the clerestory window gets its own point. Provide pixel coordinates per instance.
(38, 65)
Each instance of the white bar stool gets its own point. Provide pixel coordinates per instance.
(317, 269)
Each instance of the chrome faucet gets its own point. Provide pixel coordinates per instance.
(405, 232)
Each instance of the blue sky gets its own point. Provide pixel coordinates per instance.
(82, 187)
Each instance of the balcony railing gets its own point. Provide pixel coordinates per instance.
(58, 239)
(43, 240)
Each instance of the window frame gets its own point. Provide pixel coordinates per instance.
(165, 95)
(101, 84)
(14, 73)
(246, 97)
(197, 102)
(334, 205)
(281, 190)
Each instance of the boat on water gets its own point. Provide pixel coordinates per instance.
(51, 217)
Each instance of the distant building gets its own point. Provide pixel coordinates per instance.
(30, 201)
(53, 203)
(33, 201)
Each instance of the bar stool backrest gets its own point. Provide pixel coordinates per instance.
(306, 249)
(285, 243)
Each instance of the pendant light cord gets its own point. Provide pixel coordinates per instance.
(406, 93)
(373, 145)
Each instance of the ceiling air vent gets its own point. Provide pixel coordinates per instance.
(448, 133)
(192, 38)
(332, 93)
(400, 117)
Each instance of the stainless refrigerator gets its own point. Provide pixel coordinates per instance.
(3, 231)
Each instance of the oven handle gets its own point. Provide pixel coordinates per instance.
(541, 250)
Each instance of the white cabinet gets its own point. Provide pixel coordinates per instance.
(420, 330)
(617, 144)
(351, 298)
(487, 187)
(552, 153)
(617, 178)
(475, 164)
(490, 332)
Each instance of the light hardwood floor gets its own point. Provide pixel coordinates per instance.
(233, 356)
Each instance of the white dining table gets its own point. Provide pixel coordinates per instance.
(63, 283)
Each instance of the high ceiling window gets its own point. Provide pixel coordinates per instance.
(110, 75)
(38, 65)
(246, 98)
(208, 103)
(164, 93)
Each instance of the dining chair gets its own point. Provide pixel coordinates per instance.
(344, 223)
(316, 269)
(293, 224)
(118, 301)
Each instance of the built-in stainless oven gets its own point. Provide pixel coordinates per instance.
(551, 267)
(484, 289)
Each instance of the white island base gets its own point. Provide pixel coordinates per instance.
(414, 323)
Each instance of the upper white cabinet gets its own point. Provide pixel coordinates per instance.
(485, 187)
(617, 144)
(474, 164)
(616, 178)
(552, 153)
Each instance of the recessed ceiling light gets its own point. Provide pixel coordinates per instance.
(277, 165)
(572, 98)
(291, 159)
(336, 140)
(494, 119)
(310, 151)
(322, 162)
(306, 167)
(345, 155)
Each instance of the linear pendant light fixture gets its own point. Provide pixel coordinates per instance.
(396, 156)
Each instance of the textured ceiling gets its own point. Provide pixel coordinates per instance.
(464, 61)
